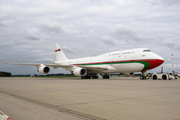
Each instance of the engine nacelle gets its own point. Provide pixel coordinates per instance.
(79, 72)
(43, 69)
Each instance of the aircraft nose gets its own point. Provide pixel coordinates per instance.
(160, 59)
(157, 61)
(9, 118)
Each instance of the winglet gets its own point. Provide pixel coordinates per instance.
(3, 62)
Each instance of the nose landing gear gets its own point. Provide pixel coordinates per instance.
(143, 75)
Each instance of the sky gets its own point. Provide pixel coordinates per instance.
(83, 28)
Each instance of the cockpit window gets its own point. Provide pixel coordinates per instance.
(146, 50)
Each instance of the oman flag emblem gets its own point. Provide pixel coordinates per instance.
(57, 50)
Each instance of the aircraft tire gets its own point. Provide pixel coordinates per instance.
(86, 77)
(94, 77)
(141, 77)
(106, 77)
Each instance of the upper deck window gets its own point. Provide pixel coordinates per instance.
(146, 50)
(115, 54)
(126, 53)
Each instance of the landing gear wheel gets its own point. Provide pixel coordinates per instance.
(106, 77)
(86, 77)
(142, 77)
(94, 77)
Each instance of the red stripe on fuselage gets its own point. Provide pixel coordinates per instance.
(154, 63)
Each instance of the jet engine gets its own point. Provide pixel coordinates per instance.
(43, 69)
(79, 72)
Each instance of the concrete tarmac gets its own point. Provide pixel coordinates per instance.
(75, 99)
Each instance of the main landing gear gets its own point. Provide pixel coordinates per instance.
(94, 76)
(89, 77)
(106, 76)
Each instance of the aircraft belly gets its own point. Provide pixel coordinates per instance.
(121, 68)
(128, 67)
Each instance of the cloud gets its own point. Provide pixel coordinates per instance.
(2, 25)
(31, 34)
(173, 46)
(6, 44)
(67, 49)
(123, 33)
(108, 41)
(164, 2)
(86, 28)
(51, 27)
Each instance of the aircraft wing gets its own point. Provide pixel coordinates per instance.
(33, 64)
(37, 64)
(52, 64)
(93, 67)
(66, 66)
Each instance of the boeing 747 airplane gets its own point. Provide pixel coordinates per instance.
(126, 62)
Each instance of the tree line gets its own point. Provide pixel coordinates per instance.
(5, 74)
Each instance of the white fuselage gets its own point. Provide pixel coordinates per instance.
(127, 61)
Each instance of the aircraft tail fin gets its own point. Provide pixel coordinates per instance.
(59, 53)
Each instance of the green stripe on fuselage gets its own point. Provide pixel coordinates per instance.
(146, 64)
